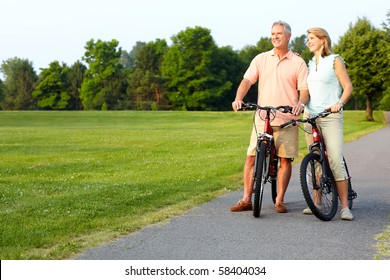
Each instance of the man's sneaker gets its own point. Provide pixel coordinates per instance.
(308, 211)
(241, 206)
(346, 214)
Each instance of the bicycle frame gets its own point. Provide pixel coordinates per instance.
(318, 145)
(267, 137)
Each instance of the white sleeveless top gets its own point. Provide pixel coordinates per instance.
(324, 86)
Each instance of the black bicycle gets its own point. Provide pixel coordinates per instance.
(317, 180)
(266, 160)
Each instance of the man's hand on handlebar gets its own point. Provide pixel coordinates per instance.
(237, 105)
(298, 109)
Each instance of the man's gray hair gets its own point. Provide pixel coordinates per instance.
(286, 26)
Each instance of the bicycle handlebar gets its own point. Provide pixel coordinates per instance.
(254, 106)
(305, 120)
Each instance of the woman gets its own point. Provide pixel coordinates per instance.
(330, 88)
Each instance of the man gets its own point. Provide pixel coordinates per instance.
(281, 77)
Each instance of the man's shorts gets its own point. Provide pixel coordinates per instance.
(286, 141)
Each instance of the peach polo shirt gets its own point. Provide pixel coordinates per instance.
(279, 80)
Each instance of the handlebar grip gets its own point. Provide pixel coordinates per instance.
(248, 105)
(325, 113)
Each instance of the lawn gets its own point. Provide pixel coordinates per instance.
(72, 180)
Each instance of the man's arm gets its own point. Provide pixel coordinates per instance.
(304, 98)
(304, 95)
(242, 90)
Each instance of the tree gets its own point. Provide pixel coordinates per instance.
(18, 85)
(75, 79)
(386, 25)
(227, 66)
(146, 85)
(361, 47)
(248, 52)
(193, 82)
(385, 48)
(51, 90)
(264, 44)
(103, 86)
(298, 45)
(1, 92)
(127, 60)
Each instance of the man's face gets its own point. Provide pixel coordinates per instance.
(279, 37)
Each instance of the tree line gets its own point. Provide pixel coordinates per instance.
(193, 73)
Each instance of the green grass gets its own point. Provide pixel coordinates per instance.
(72, 180)
(383, 244)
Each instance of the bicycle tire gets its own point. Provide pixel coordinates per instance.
(310, 188)
(274, 189)
(350, 191)
(259, 179)
(274, 176)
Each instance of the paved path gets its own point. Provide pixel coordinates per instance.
(211, 232)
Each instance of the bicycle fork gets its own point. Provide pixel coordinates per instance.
(318, 147)
(269, 168)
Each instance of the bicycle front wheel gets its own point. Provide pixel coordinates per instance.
(319, 191)
(260, 180)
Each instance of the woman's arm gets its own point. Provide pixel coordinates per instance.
(345, 81)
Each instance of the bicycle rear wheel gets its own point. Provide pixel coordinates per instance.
(320, 192)
(260, 180)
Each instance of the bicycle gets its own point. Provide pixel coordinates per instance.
(266, 160)
(316, 178)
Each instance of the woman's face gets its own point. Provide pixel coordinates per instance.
(314, 43)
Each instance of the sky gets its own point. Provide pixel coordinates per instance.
(43, 31)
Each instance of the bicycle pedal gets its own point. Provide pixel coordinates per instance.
(352, 194)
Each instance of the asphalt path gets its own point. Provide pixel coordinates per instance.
(212, 232)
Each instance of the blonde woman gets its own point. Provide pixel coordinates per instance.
(330, 88)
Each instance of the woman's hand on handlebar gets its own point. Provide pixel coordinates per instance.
(237, 105)
(335, 108)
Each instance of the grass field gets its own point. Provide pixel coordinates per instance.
(72, 180)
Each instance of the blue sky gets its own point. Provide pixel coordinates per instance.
(46, 30)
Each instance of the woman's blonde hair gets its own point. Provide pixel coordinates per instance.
(322, 34)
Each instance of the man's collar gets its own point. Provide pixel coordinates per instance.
(288, 55)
